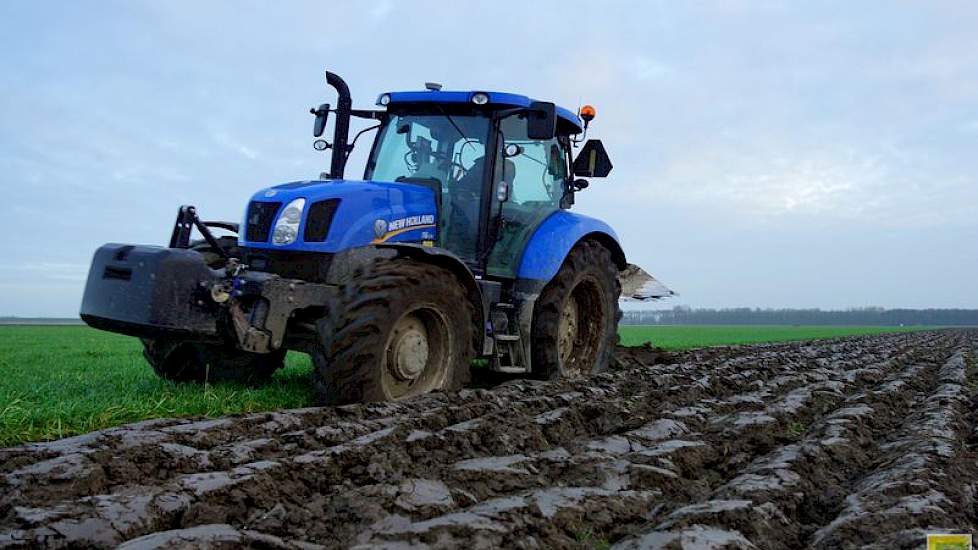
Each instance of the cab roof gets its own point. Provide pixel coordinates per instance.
(568, 122)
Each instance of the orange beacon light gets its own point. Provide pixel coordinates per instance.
(587, 113)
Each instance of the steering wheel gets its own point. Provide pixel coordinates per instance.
(446, 160)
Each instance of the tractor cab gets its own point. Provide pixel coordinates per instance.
(498, 163)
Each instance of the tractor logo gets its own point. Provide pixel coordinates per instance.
(388, 229)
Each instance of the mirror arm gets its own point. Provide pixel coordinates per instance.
(360, 133)
(576, 142)
(368, 114)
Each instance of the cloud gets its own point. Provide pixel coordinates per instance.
(224, 139)
(835, 184)
(728, 123)
(645, 68)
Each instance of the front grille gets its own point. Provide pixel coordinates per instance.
(259, 220)
(308, 266)
(319, 219)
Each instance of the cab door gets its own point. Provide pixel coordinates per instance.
(446, 155)
(536, 176)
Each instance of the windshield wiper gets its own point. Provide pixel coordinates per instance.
(467, 139)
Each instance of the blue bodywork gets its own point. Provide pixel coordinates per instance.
(571, 122)
(362, 203)
(555, 237)
(372, 212)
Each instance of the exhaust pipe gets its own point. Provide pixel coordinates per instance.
(341, 131)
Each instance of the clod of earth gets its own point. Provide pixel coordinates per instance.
(855, 442)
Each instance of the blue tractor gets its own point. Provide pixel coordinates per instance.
(458, 243)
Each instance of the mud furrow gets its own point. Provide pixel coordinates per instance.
(752, 446)
(778, 495)
(911, 487)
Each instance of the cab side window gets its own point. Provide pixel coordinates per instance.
(539, 172)
(537, 175)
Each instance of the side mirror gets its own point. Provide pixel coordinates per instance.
(541, 121)
(592, 161)
(322, 115)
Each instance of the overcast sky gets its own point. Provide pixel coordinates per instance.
(770, 154)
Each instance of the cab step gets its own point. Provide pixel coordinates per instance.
(510, 350)
(510, 369)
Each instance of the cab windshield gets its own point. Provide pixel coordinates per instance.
(446, 153)
(439, 146)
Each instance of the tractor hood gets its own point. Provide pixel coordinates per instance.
(340, 214)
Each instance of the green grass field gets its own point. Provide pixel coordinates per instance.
(57, 381)
(685, 337)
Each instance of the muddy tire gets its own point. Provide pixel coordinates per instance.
(575, 319)
(181, 361)
(400, 328)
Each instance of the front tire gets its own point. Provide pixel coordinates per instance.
(575, 319)
(181, 361)
(401, 328)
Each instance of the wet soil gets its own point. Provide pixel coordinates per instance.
(845, 443)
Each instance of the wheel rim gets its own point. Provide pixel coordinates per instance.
(580, 330)
(416, 358)
(568, 329)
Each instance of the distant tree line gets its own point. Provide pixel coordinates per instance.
(682, 315)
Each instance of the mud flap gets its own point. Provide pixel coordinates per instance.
(638, 285)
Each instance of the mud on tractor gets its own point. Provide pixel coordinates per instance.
(458, 243)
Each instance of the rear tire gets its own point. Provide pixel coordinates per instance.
(400, 329)
(575, 319)
(181, 361)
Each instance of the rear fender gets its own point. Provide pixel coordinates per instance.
(554, 239)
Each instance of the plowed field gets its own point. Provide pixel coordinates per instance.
(854, 442)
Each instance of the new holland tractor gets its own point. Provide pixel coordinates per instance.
(458, 243)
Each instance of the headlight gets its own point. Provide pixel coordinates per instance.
(480, 98)
(287, 226)
(384, 99)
